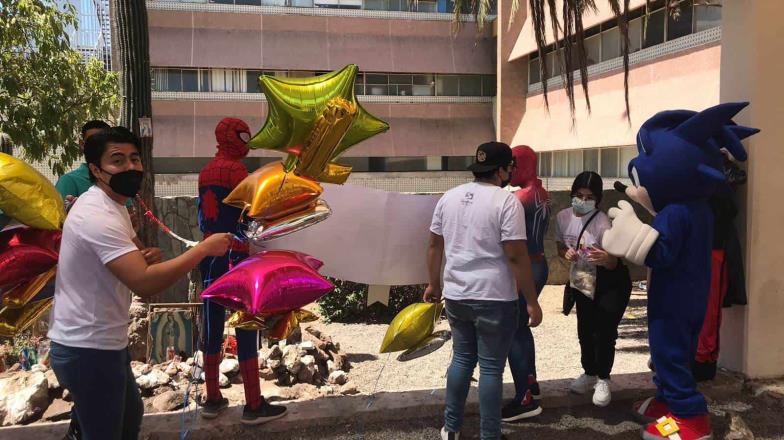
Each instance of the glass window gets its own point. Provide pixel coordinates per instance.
(400, 79)
(707, 17)
(174, 80)
(253, 81)
(627, 154)
(458, 163)
(635, 35)
(609, 164)
(376, 5)
(654, 29)
(399, 164)
(681, 26)
(591, 160)
(447, 85)
(533, 71)
(372, 78)
(611, 44)
(301, 3)
(470, 85)
(250, 2)
(545, 161)
(423, 80)
(488, 85)
(593, 49)
(553, 64)
(560, 164)
(204, 79)
(575, 162)
(190, 80)
(426, 6)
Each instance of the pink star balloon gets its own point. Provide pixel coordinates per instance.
(270, 282)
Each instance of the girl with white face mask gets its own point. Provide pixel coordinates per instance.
(599, 282)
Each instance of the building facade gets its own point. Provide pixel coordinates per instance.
(435, 87)
(674, 63)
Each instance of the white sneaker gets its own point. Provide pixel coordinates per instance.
(601, 393)
(582, 384)
(449, 435)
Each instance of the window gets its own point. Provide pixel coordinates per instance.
(627, 154)
(611, 43)
(301, 3)
(681, 26)
(591, 160)
(400, 85)
(190, 80)
(359, 84)
(609, 157)
(575, 162)
(173, 80)
(253, 81)
(470, 85)
(545, 161)
(593, 49)
(635, 35)
(488, 85)
(423, 85)
(377, 84)
(553, 64)
(560, 164)
(425, 6)
(447, 85)
(654, 28)
(204, 79)
(533, 71)
(706, 17)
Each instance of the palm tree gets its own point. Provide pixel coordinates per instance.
(568, 33)
(130, 33)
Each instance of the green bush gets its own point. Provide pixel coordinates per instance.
(348, 303)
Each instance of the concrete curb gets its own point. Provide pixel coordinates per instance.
(332, 411)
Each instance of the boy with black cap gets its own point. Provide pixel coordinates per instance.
(480, 228)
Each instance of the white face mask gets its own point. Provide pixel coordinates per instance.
(583, 207)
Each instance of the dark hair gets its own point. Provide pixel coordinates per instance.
(485, 174)
(590, 180)
(95, 145)
(95, 123)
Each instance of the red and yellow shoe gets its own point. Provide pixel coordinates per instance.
(650, 409)
(674, 428)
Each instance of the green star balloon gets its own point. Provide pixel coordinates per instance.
(296, 103)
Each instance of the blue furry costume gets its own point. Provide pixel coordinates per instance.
(678, 167)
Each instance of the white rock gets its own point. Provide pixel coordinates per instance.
(54, 383)
(223, 380)
(349, 388)
(38, 368)
(230, 367)
(307, 346)
(282, 344)
(189, 361)
(308, 360)
(330, 366)
(172, 369)
(169, 401)
(184, 367)
(291, 359)
(140, 369)
(153, 379)
(338, 377)
(273, 364)
(275, 352)
(22, 397)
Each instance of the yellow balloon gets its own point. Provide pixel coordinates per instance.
(316, 119)
(270, 193)
(14, 321)
(246, 321)
(23, 293)
(335, 173)
(411, 326)
(289, 322)
(28, 197)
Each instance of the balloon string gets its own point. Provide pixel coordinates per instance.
(155, 220)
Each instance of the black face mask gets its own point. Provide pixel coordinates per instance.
(504, 183)
(126, 183)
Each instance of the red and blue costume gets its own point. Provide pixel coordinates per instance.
(216, 180)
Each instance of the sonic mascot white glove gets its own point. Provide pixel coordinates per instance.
(629, 237)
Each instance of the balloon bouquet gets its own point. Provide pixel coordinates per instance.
(28, 250)
(313, 120)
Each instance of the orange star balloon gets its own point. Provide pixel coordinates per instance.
(270, 193)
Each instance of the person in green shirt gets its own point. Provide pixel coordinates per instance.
(78, 181)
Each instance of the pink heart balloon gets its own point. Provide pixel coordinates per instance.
(270, 282)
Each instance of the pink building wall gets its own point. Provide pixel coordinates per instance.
(688, 80)
(291, 42)
(186, 128)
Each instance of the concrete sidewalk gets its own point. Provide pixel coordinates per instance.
(332, 411)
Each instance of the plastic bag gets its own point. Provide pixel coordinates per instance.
(582, 275)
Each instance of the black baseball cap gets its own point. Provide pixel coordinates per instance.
(491, 156)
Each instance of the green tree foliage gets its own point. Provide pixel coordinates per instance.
(47, 89)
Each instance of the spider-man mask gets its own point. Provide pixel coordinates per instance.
(232, 135)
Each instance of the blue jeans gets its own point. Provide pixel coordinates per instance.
(522, 354)
(106, 398)
(481, 330)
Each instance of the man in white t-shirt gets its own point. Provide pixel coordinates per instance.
(480, 228)
(99, 265)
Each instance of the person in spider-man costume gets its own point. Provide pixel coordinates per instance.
(216, 180)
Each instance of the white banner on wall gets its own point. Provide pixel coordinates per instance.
(372, 237)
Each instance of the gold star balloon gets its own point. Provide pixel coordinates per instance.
(315, 120)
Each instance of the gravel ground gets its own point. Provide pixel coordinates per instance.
(557, 354)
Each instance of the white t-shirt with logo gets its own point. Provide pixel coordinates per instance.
(474, 219)
(90, 303)
(568, 227)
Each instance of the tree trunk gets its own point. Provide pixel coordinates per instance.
(131, 39)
